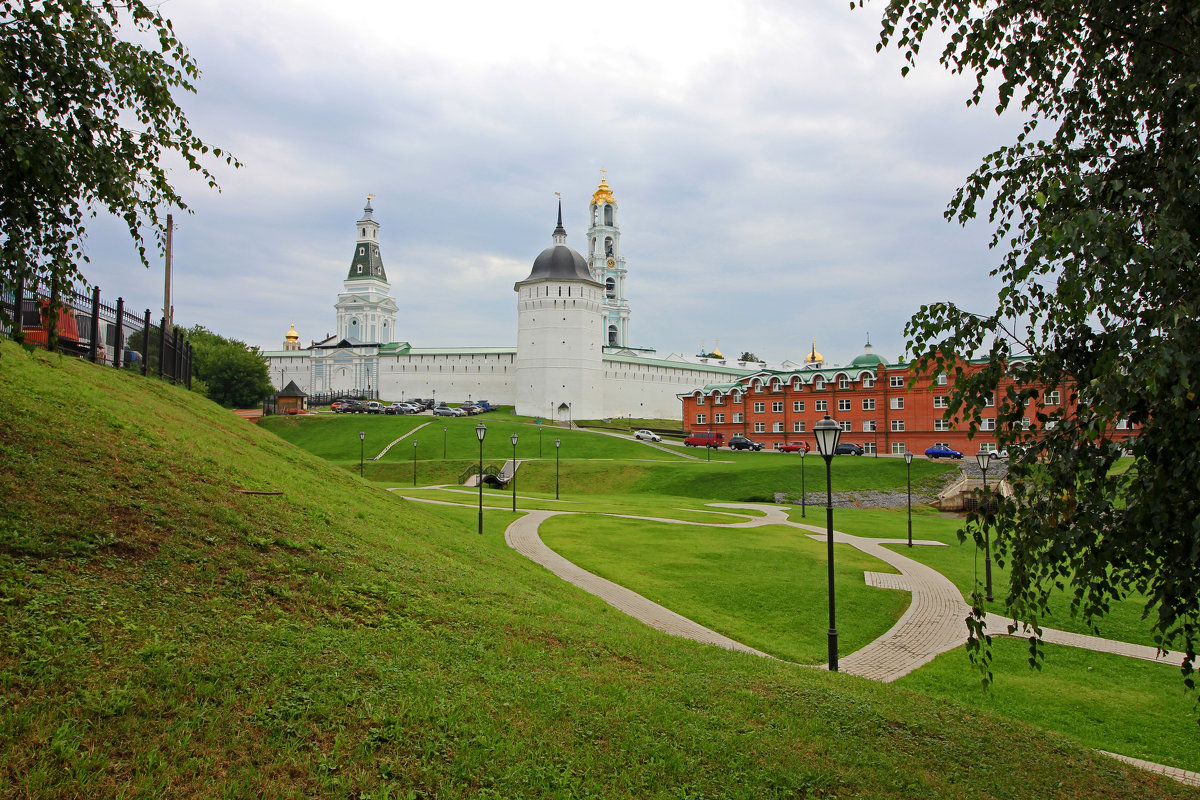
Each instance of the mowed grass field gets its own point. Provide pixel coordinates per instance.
(167, 630)
(766, 587)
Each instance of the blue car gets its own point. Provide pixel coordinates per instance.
(942, 452)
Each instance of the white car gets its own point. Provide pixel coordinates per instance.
(649, 436)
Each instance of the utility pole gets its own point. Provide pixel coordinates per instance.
(168, 311)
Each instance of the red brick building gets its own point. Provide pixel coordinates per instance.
(885, 408)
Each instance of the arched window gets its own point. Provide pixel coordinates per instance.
(610, 288)
(608, 246)
(608, 217)
(612, 334)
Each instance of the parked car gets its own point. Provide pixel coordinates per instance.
(357, 407)
(848, 449)
(447, 411)
(704, 439)
(400, 408)
(938, 451)
(341, 406)
(374, 407)
(794, 447)
(739, 442)
(647, 436)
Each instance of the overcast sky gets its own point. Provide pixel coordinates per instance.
(776, 179)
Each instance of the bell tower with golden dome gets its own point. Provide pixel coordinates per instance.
(291, 340)
(607, 265)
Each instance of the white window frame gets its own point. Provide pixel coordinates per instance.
(897, 403)
(899, 448)
(798, 426)
(897, 426)
(941, 401)
(760, 407)
(896, 381)
(941, 425)
(737, 417)
(822, 405)
(776, 406)
(760, 427)
(777, 427)
(843, 405)
(868, 404)
(798, 406)
(701, 419)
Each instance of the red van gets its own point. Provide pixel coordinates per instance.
(704, 439)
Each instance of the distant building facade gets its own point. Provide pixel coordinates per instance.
(572, 358)
(885, 408)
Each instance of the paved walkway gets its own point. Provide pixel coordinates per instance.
(934, 623)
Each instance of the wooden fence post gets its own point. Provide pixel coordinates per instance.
(162, 345)
(19, 312)
(146, 344)
(119, 335)
(94, 347)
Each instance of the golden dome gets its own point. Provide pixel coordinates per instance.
(603, 194)
(292, 336)
(814, 357)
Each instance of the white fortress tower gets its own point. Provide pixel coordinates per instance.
(560, 311)
(607, 265)
(366, 312)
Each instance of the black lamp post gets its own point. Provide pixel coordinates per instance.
(908, 457)
(414, 462)
(481, 431)
(557, 444)
(827, 433)
(362, 451)
(984, 458)
(443, 443)
(513, 477)
(803, 500)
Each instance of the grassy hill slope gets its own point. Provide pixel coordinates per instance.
(165, 633)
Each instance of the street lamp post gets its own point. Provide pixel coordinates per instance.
(827, 433)
(557, 444)
(984, 458)
(513, 477)
(908, 457)
(362, 451)
(443, 443)
(481, 431)
(803, 501)
(414, 462)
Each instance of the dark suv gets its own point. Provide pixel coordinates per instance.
(848, 449)
(739, 442)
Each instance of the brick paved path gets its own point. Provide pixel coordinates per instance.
(934, 623)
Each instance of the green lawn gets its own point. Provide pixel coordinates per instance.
(1123, 705)
(163, 632)
(765, 587)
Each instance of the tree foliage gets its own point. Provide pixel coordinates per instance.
(86, 119)
(231, 372)
(748, 356)
(1096, 208)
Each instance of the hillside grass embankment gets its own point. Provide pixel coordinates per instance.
(167, 634)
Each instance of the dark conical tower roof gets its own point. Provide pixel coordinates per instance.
(559, 262)
(367, 263)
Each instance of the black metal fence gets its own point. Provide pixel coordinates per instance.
(82, 324)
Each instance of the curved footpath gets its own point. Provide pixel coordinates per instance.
(934, 623)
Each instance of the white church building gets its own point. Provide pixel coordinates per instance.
(572, 358)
